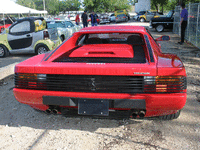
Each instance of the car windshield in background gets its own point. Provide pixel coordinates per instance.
(54, 24)
(170, 14)
(141, 13)
(68, 24)
(122, 15)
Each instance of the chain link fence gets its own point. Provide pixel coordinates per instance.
(193, 28)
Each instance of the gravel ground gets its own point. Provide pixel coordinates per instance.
(22, 128)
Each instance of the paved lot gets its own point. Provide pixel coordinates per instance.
(24, 128)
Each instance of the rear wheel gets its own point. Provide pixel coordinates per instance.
(3, 51)
(160, 28)
(142, 20)
(41, 49)
(171, 116)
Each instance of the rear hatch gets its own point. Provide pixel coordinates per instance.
(103, 68)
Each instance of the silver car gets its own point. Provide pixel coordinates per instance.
(121, 18)
(65, 28)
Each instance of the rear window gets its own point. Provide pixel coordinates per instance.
(107, 48)
(111, 38)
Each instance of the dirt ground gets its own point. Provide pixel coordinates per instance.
(22, 128)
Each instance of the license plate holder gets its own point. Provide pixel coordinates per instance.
(93, 107)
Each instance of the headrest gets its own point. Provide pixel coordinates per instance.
(94, 41)
(135, 40)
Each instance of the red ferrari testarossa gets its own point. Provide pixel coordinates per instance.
(105, 70)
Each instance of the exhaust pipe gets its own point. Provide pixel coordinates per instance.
(48, 111)
(134, 114)
(141, 114)
(55, 111)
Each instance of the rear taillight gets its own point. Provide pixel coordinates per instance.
(116, 18)
(165, 84)
(30, 81)
(46, 35)
(124, 17)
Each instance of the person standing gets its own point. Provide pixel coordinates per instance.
(77, 20)
(183, 23)
(84, 18)
(93, 17)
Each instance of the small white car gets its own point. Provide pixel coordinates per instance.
(28, 35)
(65, 28)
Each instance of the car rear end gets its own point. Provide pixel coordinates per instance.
(105, 73)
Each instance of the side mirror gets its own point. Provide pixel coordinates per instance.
(163, 38)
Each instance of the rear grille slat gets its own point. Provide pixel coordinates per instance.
(85, 83)
(101, 84)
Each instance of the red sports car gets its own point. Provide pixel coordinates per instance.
(105, 70)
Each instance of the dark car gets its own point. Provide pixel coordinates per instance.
(162, 23)
(138, 15)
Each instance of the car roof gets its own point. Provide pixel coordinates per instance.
(114, 28)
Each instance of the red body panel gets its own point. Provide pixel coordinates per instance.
(163, 65)
(4, 26)
(154, 102)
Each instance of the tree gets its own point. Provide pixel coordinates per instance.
(106, 5)
(26, 3)
(159, 4)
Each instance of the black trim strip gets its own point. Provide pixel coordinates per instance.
(149, 48)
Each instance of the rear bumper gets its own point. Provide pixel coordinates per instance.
(154, 104)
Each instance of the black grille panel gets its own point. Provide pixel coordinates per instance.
(84, 83)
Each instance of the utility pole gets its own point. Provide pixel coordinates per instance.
(44, 4)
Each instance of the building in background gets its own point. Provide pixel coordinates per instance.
(142, 5)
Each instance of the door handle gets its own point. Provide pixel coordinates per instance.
(28, 35)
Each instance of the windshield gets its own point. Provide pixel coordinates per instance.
(170, 14)
(54, 24)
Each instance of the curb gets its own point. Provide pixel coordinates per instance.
(7, 70)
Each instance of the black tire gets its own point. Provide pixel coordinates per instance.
(3, 51)
(41, 49)
(160, 28)
(171, 116)
(142, 20)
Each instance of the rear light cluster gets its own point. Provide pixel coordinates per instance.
(165, 84)
(30, 81)
(147, 84)
(46, 35)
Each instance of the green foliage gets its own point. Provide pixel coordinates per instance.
(52, 6)
(106, 5)
(27, 3)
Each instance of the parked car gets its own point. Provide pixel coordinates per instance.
(65, 28)
(103, 70)
(121, 18)
(112, 18)
(146, 17)
(104, 18)
(120, 12)
(136, 17)
(5, 23)
(28, 35)
(162, 23)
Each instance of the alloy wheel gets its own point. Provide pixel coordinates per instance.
(2, 52)
(42, 50)
(160, 28)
